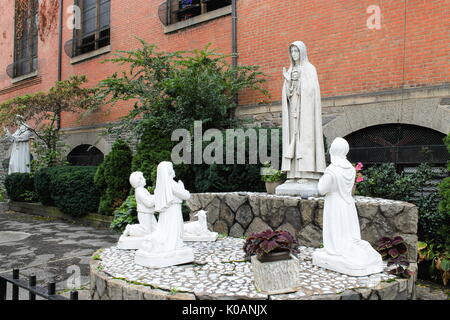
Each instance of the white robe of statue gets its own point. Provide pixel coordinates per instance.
(20, 152)
(145, 207)
(303, 148)
(165, 246)
(342, 244)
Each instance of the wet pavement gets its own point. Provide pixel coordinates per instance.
(51, 249)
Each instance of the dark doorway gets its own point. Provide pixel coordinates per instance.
(85, 155)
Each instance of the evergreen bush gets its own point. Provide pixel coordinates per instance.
(112, 178)
(73, 190)
(444, 186)
(20, 187)
(42, 180)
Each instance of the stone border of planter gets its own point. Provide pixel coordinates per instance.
(241, 213)
(104, 287)
(37, 209)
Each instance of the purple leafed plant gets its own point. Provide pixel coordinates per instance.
(393, 250)
(269, 241)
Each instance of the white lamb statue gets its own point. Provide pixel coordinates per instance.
(198, 230)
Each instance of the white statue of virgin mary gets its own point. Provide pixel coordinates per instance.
(20, 152)
(303, 149)
(165, 246)
(343, 250)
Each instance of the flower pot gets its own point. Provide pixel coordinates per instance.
(270, 186)
(275, 256)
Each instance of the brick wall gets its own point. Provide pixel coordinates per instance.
(349, 57)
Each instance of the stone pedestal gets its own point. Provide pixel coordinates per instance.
(165, 259)
(304, 188)
(129, 243)
(276, 277)
(339, 264)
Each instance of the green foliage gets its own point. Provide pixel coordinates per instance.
(232, 177)
(42, 181)
(439, 255)
(433, 225)
(43, 110)
(444, 186)
(112, 178)
(383, 181)
(125, 214)
(175, 89)
(20, 187)
(272, 175)
(72, 189)
(153, 148)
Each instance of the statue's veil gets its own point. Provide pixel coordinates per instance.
(163, 191)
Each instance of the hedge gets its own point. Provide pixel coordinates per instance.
(70, 188)
(20, 187)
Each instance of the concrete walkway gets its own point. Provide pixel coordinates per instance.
(50, 248)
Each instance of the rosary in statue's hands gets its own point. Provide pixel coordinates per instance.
(286, 74)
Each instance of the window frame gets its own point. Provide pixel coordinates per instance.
(78, 36)
(172, 15)
(32, 40)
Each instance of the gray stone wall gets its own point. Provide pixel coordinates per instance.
(341, 115)
(239, 214)
(5, 145)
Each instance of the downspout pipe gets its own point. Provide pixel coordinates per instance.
(234, 49)
(234, 32)
(60, 39)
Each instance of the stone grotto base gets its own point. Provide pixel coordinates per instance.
(220, 272)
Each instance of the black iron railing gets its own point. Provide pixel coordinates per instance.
(48, 293)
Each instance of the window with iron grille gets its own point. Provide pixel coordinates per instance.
(405, 145)
(25, 38)
(95, 26)
(172, 11)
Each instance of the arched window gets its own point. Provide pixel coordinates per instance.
(404, 145)
(85, 155)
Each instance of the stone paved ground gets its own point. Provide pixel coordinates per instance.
(50, 248)
(426, 290)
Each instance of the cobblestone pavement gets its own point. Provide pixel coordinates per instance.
(50, 248)
(220, 270)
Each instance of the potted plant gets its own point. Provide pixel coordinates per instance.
(272, 177)
(394, 251)
(270, 246)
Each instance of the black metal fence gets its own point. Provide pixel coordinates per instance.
(48, 293)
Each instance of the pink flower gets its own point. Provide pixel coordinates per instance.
(359, 179)
(359, 166)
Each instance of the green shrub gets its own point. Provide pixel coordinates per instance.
(73, 190)
(42, 180)
(383, 181)
(125, 214)
(112, 178)
(444, 186)
(152, 148)
(20, 187)
(232, 177)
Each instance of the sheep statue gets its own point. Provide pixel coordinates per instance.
(198, 230)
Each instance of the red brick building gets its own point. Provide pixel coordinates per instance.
(380, 62)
